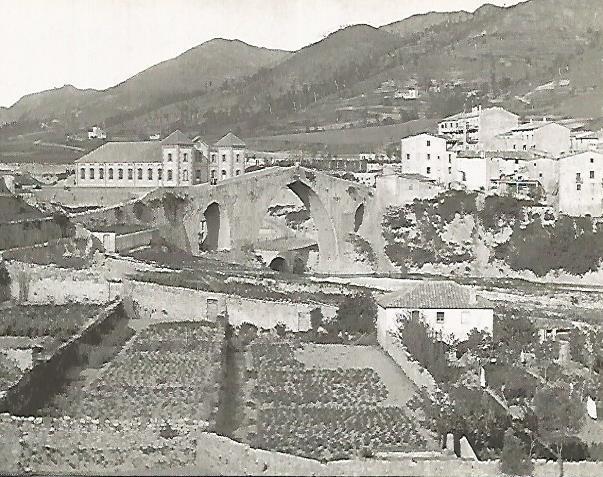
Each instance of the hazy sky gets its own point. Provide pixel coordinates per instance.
(98, 43)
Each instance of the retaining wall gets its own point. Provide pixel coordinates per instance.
(164, 303)
(28, 232)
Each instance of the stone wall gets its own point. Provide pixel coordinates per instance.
(28, 232)
(44, 377)
(163, 303)
(42, 284)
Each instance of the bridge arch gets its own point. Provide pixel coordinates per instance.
(279, 264)
(215, 229)
(328, 248)
(358, 217)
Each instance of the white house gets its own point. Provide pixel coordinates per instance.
(428, 155)
(95, 132)
(449, 309)
(581, 184)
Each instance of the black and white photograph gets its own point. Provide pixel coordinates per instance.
(301, 237)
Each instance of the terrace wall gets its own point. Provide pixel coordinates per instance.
(42, 284)
(42, 380)
(397, 351)
(28, 232)
(166, 303)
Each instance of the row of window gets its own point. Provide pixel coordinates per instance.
(429, 157)
(213, 174)
(139, 175)
(591, 175)
(213, 158)
(184, 157)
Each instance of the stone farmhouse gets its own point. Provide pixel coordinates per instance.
(176, 161)
(450, 310)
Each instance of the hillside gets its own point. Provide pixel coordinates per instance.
(198, 70)
(501, 53)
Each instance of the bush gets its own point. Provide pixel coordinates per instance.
(357, 314)
(514, 459)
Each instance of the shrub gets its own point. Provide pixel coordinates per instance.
(514, 459)
(357, 314)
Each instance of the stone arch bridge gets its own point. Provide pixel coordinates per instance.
(229, 215)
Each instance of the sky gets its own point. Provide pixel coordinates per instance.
(99, 43)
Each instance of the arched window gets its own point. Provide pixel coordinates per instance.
(91, 173)
(223, 174)
(170, 175)
(159, 174)
(110, 173)
(185, 157)
(223, 157)
(150, 173)
(169, 157)
(120, 173)
(130, 174)
(101, 173)
(82, 173)
(139, 173)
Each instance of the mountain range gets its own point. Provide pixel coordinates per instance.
(228, 84)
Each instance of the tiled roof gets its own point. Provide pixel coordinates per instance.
(110, 152)
(230, 140)
(431, 295)
(177, 138)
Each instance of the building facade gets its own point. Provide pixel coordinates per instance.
(173, 162)
(548, 137)
(226, 159)
(581, 184)
(478, 128)
(428, 155)
(450, 310)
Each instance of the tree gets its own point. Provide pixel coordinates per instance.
(357, 314)
(514, 460)
(560, 416)
(545, 354)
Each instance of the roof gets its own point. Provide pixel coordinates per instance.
(432, 295)
(110, 152)
(427, 133)
(531, 154)
(417, 177)
(230, 140)
(3, 188)
(579, 153)
(177, 138)
(535, 125)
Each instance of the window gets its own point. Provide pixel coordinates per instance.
(223, 174)
(198, 174)
(428, 156)
(592, 174)
(185, 157)
(415, 314)
(110, 173)
(82, 173)
(130, 174)
(91, 173)
(169, 157)
(238, 173)
(408, 157)
(516, 161)
(578, 178)
(213, 174)
(463, 176)
(428, 143)
(592, 160)
(449, 158)
(438, 158)
(150, 173)
(139, 175)
(170, 175)
(440, 317)
(120, 173)
(525, 148)
(101, 173)
(540, 174)
(429, 170)
(213, 158)
(185, 175)
(237, 158)
(578, 186)
(159, 174)
(450, 170)
(514, 146)
(223, 157)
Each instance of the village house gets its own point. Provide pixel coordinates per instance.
(450, 310)
(549, 137)
(96, 132)
(581, 184)
(428, 155)
(478, 128)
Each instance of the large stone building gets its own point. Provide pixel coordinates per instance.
(173, 162)
(581, 184)
(428, 155)
(227, 158)
(544, 136)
